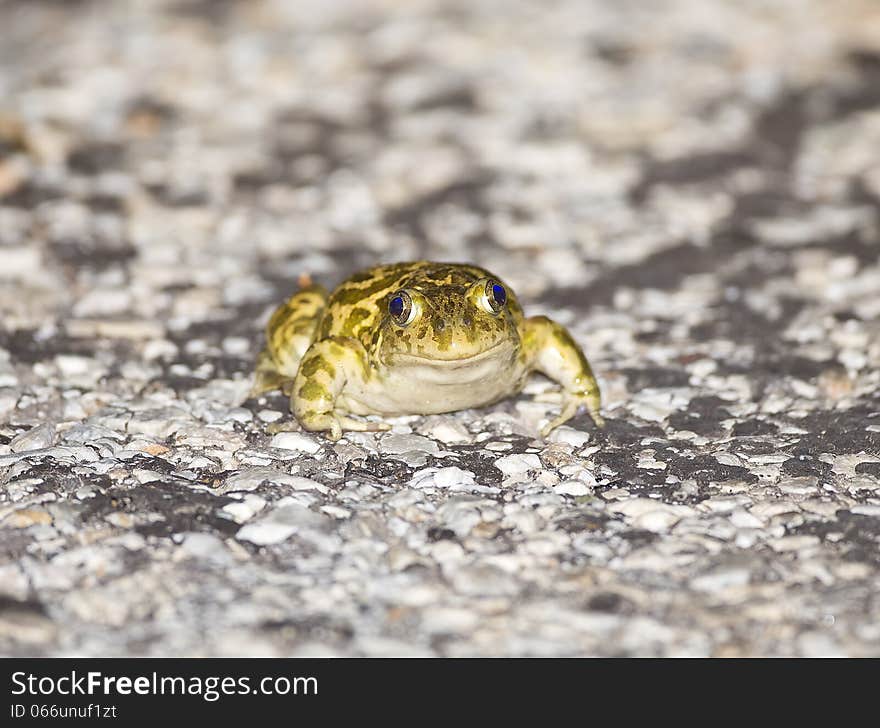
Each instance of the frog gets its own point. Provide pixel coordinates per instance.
(413, 338)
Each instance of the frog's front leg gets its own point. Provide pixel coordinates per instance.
(327, 366)
(550, 349)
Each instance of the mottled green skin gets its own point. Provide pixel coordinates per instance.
(345, 354)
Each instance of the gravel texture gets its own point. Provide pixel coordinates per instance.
(693, 187)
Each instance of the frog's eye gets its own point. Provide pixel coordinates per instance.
(495, 296)
(401, 308)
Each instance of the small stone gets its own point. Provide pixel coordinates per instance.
(85, 492)
(287, 518)
(448, 620)
(77, 367)
(204, 546)
(482, 580)
(20, 261)
(151, 448)
(398, 444)
(799, 486)
(265, 533)
(657, 521)
(144, 476)
(252, 478)
(245, 509)
(743, 519)
(518, 465)
(526, 521)
(295, 441)
(570, 436)
(236, 346)
(248, 479)
(449, 432)
(37, 438)
(721, 579)
(119, 519)
(452, 476)
(267, 415)
(26, 623)
(8, 399)
(159, 349)
(634, 507)
(27, 517)
(793, 543)
(572, 487)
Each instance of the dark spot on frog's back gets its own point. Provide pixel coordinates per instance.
(310, 391)
(361, 277)
(350, 293)
(316, 364)
(326, 325)
(356, 320)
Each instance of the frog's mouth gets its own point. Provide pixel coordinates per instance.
(452, 362)
(460, 370)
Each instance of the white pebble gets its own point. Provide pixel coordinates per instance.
(36, 438)
(570, 436)
(236, 345)
(20, 261)
(266, 533)
(70, 365)
(268, 415)
(518, 464)
(452, 476)
(743, 519)
(572, 487)
(295, 441)
(449, 432)
(246, 508)
(656, 521)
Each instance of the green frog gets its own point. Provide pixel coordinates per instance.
(413, 338)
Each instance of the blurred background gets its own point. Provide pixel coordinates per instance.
(692, 187)
(164, 160)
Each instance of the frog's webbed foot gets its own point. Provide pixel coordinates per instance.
(327, 423)
(550, 349)
(350, 423)
(286, 425)
(570, 409)
(331, 424)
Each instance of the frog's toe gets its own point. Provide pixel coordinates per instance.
(349, 423)
(552, 425)
(273, 428)
(569, 410)
(324, 422)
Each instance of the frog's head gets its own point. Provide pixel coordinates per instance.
(450, 319)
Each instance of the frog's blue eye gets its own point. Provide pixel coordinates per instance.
(495, 297)
(400, 306)
(499, 293)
